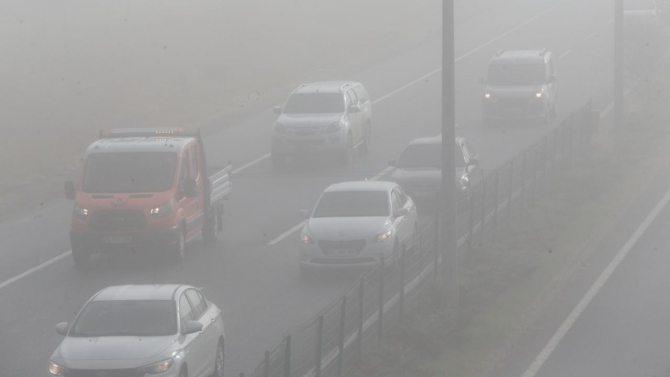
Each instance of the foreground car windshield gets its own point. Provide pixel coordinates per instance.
(129, 172)
(516, 74)
(427, 156)
(315, 103)
(126, 318)
(352, 204)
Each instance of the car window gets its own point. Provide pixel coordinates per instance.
(401, 196)
(126, 318)
(471, 150)
(197, 303)
(185, 310)
(353, 97)
(184, 172)
(395, 200)
(361, 93)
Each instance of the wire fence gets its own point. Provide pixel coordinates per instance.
(329, 344)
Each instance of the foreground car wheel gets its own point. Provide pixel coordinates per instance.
(183, 372)
(179, 248)
(218, 361)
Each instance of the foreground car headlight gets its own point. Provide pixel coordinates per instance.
(306, 239)
(384, 236)
(79, 213)
(334, 127)
(56, 370)
(159, 367)
(162, 211)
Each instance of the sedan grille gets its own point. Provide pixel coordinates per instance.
(118, 220)
(342, 248)
(104, 373)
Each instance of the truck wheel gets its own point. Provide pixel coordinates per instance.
(80, 257)
(178, 251)
(211, 231)
(347, 153)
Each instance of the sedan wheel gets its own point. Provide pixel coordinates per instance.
(218, 362)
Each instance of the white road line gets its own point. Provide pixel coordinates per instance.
(287, 233)
(39, 267)
(590, 294)
(249, 164)
(591, 36)
(565, 54)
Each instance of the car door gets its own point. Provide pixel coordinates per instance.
(412, 215)
(194, 344)
(210, 337)
(185, 204)
(195, 223)
(354, 119)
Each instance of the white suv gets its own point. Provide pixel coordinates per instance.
(323, 117)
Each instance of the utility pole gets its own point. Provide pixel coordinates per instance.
(618, 64)
(447, 226)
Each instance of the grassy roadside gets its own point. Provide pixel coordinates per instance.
(504, 286)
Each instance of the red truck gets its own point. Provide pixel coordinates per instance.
(146, 189)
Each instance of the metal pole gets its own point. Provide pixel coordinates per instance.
(496, 204)
(618, 63)
(287, 356)
(401, 299)
(449, 245)
(544, 162)
(361, 303)
(319, 345)
(380, 329)
(471, 215)
(523, 183)
(511, 190)
(437, 244)
(532, 193)
(483, 222)
(340, 354)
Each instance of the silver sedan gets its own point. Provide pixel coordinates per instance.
(142, 330)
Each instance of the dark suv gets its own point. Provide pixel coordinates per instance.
(520, 85)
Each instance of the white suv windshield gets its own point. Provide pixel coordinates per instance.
(516, 74)
(315, 103)
(126, 318)
(353, 204)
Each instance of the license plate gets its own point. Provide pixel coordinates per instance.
(345, 252)
(117, 240)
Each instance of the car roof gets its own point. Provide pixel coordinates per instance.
(326, 87)
(361, 186)
(140, 292)
(520, 56)
(432, 140)
(140, 144)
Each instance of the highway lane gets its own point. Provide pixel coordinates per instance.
(258, 286)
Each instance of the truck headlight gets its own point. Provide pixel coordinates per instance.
(159, 367)
(79, 213)
(162, 211)
(383, 237)
(55, 369)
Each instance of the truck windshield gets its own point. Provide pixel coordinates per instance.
(315, 103)
(516, 74)
(129, 172)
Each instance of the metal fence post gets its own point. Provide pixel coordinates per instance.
(437, 242)
(532, 193)
(266, 372)
(471, 215)
(483, 222)
(511, 190)
(523, 183)
(380, 329)
(572, 138)
(361, 303)
(496, 204)
(554, 163)
(340, 354)
(287, 356)
(401, 299)
(319, 345)
(544, 162)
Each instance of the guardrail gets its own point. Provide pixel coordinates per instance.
(329, 344)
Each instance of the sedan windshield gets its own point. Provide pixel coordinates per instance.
(129, 172)
(516, 74)
(315, 103)
(353, 204)
(427, 156)
(126, 318)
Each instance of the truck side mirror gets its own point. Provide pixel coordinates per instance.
(70, 191)
(188, 188)
(62, 328)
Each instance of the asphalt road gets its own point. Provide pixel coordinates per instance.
(611, 319)
(252, 273)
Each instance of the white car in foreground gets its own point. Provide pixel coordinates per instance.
(142, 330)
(357, 224)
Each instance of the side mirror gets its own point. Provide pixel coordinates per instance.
(188, 188)
(392, 163)
(353, 109)
(191, 327)
(400, 212)
(552, 79)
(482, 81)
(70, 191)
(473, 161)
(62, 328)
(277, 110)
(304, 213)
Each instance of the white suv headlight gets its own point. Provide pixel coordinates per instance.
(383, 237)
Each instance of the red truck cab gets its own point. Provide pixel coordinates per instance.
(145, 189)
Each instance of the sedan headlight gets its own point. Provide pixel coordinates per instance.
(334, 127)
(55, 369)
(162, 211)
(383, 237)
(159, 367)
(306, 239)
(79, 213)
